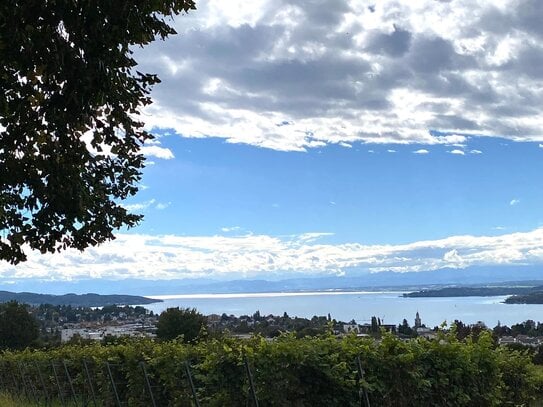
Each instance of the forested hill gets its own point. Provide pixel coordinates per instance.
(535, 297)
(473, 291)
(75, 300)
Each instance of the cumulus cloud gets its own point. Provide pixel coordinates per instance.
(421, 151)
(171, 256)
(457, 140)
(457, 152)
(157, 151)
(345, 73)
(476, 152)
(514, 202)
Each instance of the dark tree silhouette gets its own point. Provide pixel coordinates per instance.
(18, 328)
(69, 136)
(175, 322)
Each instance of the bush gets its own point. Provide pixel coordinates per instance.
(312, 371)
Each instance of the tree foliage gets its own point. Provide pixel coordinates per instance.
(69, 136)
(185, 322)
(405, 329)
(318, 371)
(18, 328)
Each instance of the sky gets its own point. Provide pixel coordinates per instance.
(328, 137)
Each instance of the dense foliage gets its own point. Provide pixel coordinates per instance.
(319, 371)
(69, 136)
(18, 328)
(186, 323)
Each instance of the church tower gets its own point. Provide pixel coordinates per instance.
(418, 323)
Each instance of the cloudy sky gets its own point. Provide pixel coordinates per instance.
(326, 136)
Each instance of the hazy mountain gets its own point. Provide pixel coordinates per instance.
(474, 275)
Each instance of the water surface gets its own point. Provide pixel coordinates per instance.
(390, 306)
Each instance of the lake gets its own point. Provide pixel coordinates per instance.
(390, 306)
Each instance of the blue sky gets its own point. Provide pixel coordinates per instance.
(365, 193)
(327, 137)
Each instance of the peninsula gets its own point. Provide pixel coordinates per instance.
(76, 300)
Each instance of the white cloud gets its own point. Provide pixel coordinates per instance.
(230, 229)
(451, 140)
(340, 73)
(156, 141)
(142, 206)
(313, 236)
(139, 206)
(391, 151)
(476, 152)
(452, 257)
(161, 205)
(170, 256)
(457, 152)
(540, 145)
(514, 202)
(158, 152)
(421, 151)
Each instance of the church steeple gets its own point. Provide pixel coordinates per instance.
(418, 323)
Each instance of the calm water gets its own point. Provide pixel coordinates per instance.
(361, 306)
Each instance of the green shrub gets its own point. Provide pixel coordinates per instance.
(311, 371)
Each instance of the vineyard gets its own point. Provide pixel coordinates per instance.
(323, 371)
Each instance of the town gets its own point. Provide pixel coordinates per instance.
(62, 324)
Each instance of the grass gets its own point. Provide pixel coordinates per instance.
(7, 400)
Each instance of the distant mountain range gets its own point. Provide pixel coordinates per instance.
(353, 280)
(75, 300)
